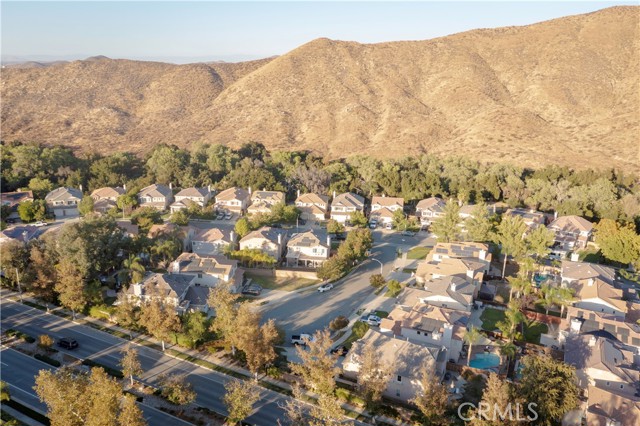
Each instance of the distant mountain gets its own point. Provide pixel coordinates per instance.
(563, 91)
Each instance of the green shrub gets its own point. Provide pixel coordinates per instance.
(339, 323)
(20, 335)
(274, 372)
(48, 360)
(360, 329)
(102, 312)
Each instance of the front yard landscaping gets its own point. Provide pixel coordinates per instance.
(417, 253)
(284, 284)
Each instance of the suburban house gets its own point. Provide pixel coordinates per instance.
(429, 325)
(128, 228)
(430, 209)
(189, 196)
(383, 216)
(233, 199)
(263, 201)
(212, 241)
(466, 211)
(464, 267)
(570, 233)
(156, 196)
(13, 199)
(594, 294)
(270, 241)
(312, 206)
(451, 292)
(391, 203)
(408, 359)
(63, 202)
(104, 199)
(344, 205)
(460, 250)
(209, 271)
(576, 271)
(609, 374)
(184, 233)
(531, 218)
(581, 321)
(308, 249)
(177, 290)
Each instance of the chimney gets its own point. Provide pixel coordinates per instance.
(124, 186)
(298, 193)
(334, 195)
(575, 257)
(279, 239)
(171, 185)
(555, 215)
(592, 341)
(383, 195)
(590, 282)
(454, 286)
(209, 188)
(175, 266)
(137, 289)
(232, 236)
(329, 241)
(482, 255)
(249, 190)
(80, 188)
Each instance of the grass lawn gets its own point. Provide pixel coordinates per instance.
(284, 284)
(490, 317)
(359, 329)
(418, 253)
(590, 255)
(533, 330)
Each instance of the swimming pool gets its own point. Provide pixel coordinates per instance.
(539, 278)
(485, 361)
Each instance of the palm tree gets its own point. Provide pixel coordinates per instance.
(520, 285)
(512, 318)
(167, 249)
(133, 268)
(548, 297)
(564, 298)
(471, 337)
(508, 350)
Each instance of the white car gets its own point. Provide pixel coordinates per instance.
(373, 320)
(40, 223)
(325, 287)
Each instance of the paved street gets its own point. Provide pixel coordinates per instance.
(309, 310)
(105, 349)
(19, 371)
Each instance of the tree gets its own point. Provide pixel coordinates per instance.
(127, 314)
(498, 396)
(166, 248)
(194, 325)
(259, 345)
(432, 399)
(239, 399)
(471, 336)
(548, 297)
(223, 303)
(334, 227)
(338, 323)
(373, 377)
(510, 237)
(358, 219)
(332, 269)
(103, 394)
(480, 226)
(130, 413)
(446, 227)
(145, 218)
(317, 367)
(32, 210)
(377, 280)
(180, 218)
(45, 341)
(126, 202)
(133, 268)
(130, 363)
(40, 187)
(538, 241)
(508, 350)
(618, 243)
(43, 260)
(85, 206)
(175, 389)
(70, 287)
(5, 395)
(159, 319)
(551, 385)
(520, 285)
(242, 227)
(512, 319)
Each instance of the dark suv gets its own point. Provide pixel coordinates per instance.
(68, 343)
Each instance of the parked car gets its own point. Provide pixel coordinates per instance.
(228, 216)
(325, 287)
(373, 224)
(220, 216)
(301, 339)
(68, 343)
(388, 226)
(40, 223)
(408, 233)
(340, 350)
(11, 220)
(373, 320)
(302, 222)
(252, 290)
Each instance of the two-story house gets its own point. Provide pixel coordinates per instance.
(407, 358)
(263, 201)
(270, 241)
(177, 290)
(430, 209)
(213, 241)
(312, 206)
(308, 249)
(189, 196)
(451, 292)
(105, 198)
(344, 205)
(383, 202)
(570, 233)
(157, 196)
(12, 200)
(63, 202)
(531, 218)
(233, 199)
(209, 271)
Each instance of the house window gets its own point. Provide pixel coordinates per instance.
(399, 378)
(608, 383)
(199, 275)
(418, 331)
(621, 386)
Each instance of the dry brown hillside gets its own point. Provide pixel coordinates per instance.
(564, 91)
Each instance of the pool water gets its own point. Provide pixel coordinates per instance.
(485, 361)
(539, 278)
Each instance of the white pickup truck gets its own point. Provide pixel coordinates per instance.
(301, 339)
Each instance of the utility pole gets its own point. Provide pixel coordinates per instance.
(19, 287)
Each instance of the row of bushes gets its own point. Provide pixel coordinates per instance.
(103, 312)
(110, 371)
(47, 359)
(20, 335)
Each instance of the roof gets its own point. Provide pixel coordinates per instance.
(433, 203)
(313, 209)
(193, 263)
(604, 405)
(457, 287)
(107, 192)
(460, 249)
(407, 358)
(63, 193)
(162, 228)
(584, 270)
(597, 288)
(19, 233)
(387, 201)
(155, 191)
(128, 227)
(448, 266)
(527, 215)
(267, 233)
(197, 295)
(234, 193)
(467, 210)
(348, 199)
(311, 238)
(572, 224)
(270, 197)
(165, 285)
(193, 192)
(589, 351)
(12, 199)
(311, 198)
(104, 204)
(383, 212)
(213, 234)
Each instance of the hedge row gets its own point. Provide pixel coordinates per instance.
(110, 371)
(20, 335)
(47, 359)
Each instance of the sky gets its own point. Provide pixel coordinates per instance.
(183, 32)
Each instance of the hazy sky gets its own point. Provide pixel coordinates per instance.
(197, 31)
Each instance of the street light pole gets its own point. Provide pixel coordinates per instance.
(379, 263)
(19, 287)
